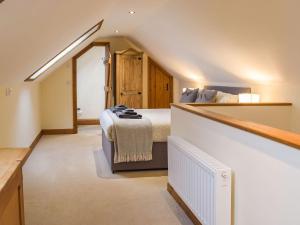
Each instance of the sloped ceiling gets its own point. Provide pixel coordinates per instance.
(233, 41)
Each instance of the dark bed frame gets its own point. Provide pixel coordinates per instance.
(159, 157)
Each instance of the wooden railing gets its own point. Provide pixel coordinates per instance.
(281, 136)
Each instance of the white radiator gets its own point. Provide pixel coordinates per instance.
(203, 183)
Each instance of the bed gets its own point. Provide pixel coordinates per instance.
(161, 122)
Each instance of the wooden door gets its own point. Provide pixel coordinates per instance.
(160, 86)
(129, 79)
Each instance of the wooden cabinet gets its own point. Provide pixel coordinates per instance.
(160, 85)
(129, 78)
(11, 186)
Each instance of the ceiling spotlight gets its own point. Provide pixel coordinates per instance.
(131, 12)
(116, 31)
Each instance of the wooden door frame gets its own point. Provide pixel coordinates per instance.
(74, 82)
(151, 61)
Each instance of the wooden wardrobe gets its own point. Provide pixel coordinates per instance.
(160, 86)
(129, 78)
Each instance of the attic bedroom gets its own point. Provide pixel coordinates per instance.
(149, 112)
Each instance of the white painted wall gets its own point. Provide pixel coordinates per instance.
(56, 99)
(274, 116)
(284, 93)
(20, 115)
(266, 174)
(90, 83)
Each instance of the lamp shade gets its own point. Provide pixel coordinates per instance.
(249, 98)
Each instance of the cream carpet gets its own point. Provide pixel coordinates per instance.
(66, 182)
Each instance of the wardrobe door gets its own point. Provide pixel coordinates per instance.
(160, 86)
(129, 80)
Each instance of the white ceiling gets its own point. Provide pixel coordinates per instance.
(233, 41)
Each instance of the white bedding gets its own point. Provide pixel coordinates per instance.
(160, 119)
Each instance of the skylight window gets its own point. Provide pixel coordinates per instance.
(64, 52)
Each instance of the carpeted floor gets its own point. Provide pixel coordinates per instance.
(67, 182)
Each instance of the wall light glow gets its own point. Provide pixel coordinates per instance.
(258, 76)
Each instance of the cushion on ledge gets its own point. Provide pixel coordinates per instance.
(223, 97)
(206, 96)
(189, 95)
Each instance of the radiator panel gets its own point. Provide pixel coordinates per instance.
(202, 182)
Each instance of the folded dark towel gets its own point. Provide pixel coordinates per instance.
(128, 116)
(129, 112)
(118, 108)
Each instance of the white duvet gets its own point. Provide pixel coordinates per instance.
(160, 119)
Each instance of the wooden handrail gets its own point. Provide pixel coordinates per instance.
(275, 134)
(243, 104)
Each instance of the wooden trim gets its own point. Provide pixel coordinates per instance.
(91, 45)
(242, 104)
(74, 79)
(128, 50)
(36, 140)
(58, 131)
(99, 24)
(74, 93)
(182, 204)
(33, 144)
(88, 122)
(284, 137)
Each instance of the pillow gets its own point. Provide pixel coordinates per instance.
(226, 98)
(189, 95)
(206, 96)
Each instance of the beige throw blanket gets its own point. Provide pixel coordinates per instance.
(132, 139)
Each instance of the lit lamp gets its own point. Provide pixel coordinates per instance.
(249, 98)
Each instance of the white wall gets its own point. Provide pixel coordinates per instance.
(90, 83)
(20, 115)
(266, 174)
(283, 93)
(56, 99)
(274, 116)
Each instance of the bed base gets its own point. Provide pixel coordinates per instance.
(159, 157)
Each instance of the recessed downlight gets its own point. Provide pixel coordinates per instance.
(116, 31)
(131, 12)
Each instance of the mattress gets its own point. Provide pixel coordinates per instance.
(160, 119)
